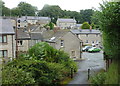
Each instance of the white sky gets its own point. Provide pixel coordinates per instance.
(73, 5)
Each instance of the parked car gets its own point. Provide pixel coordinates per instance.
(86, 48)
(94, 49)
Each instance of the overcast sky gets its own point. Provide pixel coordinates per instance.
(73, 5)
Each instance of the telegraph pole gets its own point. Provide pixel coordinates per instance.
(16, 34)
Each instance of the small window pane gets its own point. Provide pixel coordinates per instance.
(0, 38)
(21, 42)
(5, 53)
(73, 53)
(5, 38)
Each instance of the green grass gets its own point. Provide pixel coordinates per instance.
(112, 74)
(109, 77)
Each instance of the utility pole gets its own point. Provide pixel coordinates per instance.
(16, 34)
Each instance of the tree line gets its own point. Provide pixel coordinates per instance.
(52, 11)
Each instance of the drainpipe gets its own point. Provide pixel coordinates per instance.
(12, 48)
(80, 50)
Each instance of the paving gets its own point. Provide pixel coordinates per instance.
(92, 61)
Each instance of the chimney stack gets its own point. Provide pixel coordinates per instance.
(90, 28)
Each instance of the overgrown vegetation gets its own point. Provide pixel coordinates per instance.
(109, 21)
(43, 65)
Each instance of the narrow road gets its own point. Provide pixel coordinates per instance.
(92, 61)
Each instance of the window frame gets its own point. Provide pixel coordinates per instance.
(3, 41)
(3, 53)
(86, 35)
(73, 53)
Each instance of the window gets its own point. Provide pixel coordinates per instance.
(72, 53)
(96, 35)
(62, 43)
(3, 38)
(20, 42)
(86, 41)
(3, 53)
(86, 35)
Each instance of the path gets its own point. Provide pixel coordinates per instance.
(92, 61)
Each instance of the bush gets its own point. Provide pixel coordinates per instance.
(85, 25)
(43, 65)
(12, 75)
(33, 71)
(99, 79)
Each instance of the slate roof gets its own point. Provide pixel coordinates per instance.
(57, 35)
(29, 17)
(36, 36)
(85, 31)
(6, 26)
(22, 35)
(66, 20)
(34, 18)
(44, 18)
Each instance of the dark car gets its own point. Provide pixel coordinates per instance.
(86, 48)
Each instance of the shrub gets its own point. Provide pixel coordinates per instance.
(12, 75)
(99, 79)
(85, 25)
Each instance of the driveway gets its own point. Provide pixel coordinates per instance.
(92, 61)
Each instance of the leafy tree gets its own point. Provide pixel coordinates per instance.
(15, 11)
(109, 23)
(4, 10)
(93, 26)
(26, 9)
(85, 25)
(53, 11)
(109, 20)
(86, 15)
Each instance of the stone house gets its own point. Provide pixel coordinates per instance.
(30, 19)
(68, 42)
(19, 22)
(43, 21)
(65, 23)
(89, 37)
(7, 39)
(25, 21)
(27, 39)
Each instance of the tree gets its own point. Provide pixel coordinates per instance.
(15, 12)
(85, 25)
(4, 10)
(86, 15)
(93, 26)
(53, 11)
(109, 23)
(26, 9)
